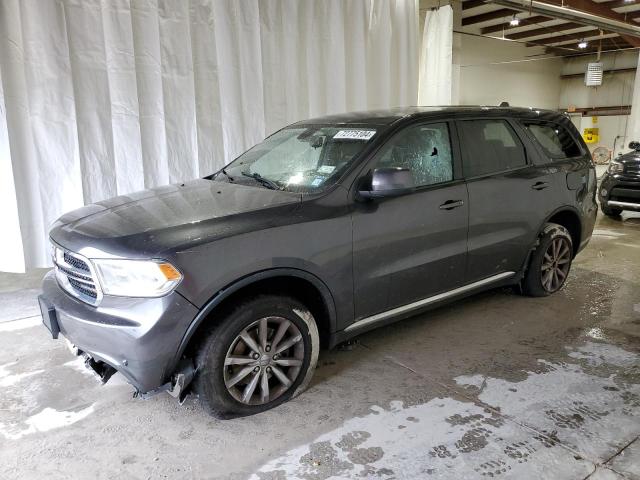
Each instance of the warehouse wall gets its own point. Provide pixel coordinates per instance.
(486, 80)
(616, 90)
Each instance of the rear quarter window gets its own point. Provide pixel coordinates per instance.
(555, 140)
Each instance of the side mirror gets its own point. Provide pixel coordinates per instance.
(388, 182)
(634, 145)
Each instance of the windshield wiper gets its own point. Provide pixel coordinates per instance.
(264, 181)
(224, 172)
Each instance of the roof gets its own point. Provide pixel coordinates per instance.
(387, 117)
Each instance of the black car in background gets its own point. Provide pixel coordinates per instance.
(620, 185)
(328, 228)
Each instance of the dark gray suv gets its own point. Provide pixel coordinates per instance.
(230, 284)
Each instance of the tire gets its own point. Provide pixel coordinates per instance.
(552, 256)
(227, 366)
(610, 212)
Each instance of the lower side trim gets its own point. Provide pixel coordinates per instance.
(426, 301)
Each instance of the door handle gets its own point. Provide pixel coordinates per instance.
(540, 185)
(451, 204)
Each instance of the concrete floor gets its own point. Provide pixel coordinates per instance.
(498, 385)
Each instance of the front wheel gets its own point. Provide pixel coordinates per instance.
(550, 262)
(262, 353)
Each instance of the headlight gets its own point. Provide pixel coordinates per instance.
(615, 167)
(136, 278)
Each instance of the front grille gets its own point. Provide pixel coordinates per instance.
(632, 169)
(75, 275)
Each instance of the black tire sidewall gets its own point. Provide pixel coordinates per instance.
(611, 212)
(210, 377)
(532, 284)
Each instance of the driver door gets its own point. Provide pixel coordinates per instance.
(410, 247)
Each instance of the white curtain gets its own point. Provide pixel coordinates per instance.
(436, 57)
(101, 98)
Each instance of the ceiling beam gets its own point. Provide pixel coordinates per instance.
(485, 17)
(618, 4)
(570, 36)
(503, 27)
(592, 48)
(599, 9)
(602, 111)
(544, 31)
(468, 4)
(610, 71)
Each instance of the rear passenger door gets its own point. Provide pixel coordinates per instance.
(508, 198)
(573, 173)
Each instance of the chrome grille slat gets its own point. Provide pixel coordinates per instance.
(85, 283)
(632, 169)
(76, 276)
(82, 288)
(75, 262)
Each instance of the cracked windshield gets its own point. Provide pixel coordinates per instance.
(304, 159)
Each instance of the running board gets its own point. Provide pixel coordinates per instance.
(427, 301)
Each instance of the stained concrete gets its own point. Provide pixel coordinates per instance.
(495, 386)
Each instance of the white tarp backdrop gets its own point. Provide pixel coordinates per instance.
(436, 57)
(102, 98)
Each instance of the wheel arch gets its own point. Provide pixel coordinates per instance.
(566, 216)
(569, 218)
(304, 286)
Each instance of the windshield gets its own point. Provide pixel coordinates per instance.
(299, 159)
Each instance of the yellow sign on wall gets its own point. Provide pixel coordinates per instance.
(591, 135)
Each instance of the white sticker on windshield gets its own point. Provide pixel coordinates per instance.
(326, 169)
(354, 135)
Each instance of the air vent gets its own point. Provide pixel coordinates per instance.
(593, 76)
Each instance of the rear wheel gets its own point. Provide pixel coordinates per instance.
(261, 354)
(550, 262)
(610, 211)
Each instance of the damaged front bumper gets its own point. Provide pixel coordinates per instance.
(138, 337)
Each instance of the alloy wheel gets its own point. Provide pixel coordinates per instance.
(556, 264)
(264, 361)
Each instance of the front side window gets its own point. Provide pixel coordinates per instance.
(555, 140)
(423, 149)
(490, 146)
(300, 159)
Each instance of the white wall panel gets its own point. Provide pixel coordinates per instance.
(493, 71)
(105, 97)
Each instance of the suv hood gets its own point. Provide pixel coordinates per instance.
(167, 207)
(629, 158)
(631, 162)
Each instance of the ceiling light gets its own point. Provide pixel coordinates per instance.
(514, 22)
(582, 44)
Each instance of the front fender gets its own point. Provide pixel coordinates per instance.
(229, 290)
